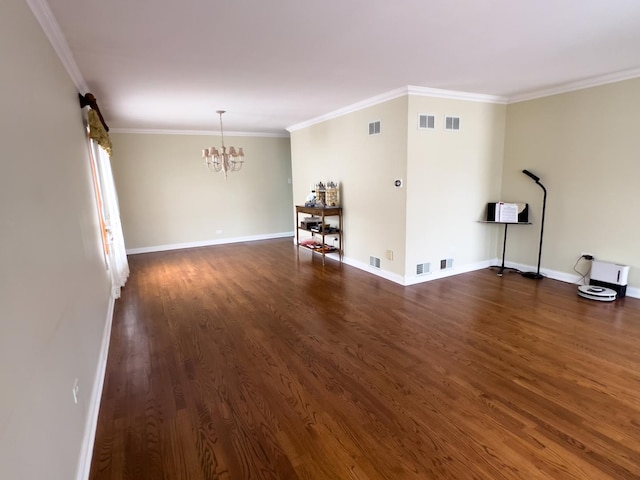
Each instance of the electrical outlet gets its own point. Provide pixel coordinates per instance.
(389, 254)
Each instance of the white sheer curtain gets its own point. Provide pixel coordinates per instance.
(115, 248)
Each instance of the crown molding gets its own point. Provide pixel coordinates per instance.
(49, 24)
(455, 95)
(577, 85)
(51, 28)
(151, 131)
(369, 102)
(399, 92)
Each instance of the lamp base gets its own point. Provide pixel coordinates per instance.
(533, 275)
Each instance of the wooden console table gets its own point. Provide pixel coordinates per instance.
(321, 212)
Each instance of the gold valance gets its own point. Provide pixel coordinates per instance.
(97, 131)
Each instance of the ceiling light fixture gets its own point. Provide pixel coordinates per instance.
(223, 161)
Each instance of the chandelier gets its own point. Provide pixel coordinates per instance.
(224, 161)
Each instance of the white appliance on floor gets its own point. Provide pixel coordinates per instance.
(607, 282)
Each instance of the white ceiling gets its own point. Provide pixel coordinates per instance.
(169, 64)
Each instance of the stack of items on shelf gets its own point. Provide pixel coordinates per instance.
(332, 195)
(309, 223)
(327, 229)
(324, 195)
(503, 212)
(314, 244)
(323, 219)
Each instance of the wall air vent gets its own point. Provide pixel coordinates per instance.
(423, 268)
(426, 121)
(374, 128)
(451, 123)
(446, 263)
(374, 262)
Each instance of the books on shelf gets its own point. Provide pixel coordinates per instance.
(505, 212)
(319, 247)
(508, 212)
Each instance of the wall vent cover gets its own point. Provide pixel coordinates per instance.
(426, 121)
(374, 262)
(446, 263)
(452, 123)
(374, 128)
(423, 268)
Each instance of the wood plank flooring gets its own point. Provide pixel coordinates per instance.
(247, 361)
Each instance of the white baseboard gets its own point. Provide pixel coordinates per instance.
(207, 243)
(394, 277)
(84, 464)
(633, 292)
(470, 267)
(563, 276)
(414, 279)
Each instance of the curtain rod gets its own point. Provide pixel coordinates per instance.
(90, 100)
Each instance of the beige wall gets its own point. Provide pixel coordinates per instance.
(54, 289)
(584, 146)
(168, 197)
(448, 179)
(451, 177)
(366, 165)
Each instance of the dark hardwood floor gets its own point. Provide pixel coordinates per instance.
(246, 361)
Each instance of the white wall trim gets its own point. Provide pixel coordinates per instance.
(577, 85)
(354, 107)
(470, 267)
(207, 243)
(52, 30)
(399, 92)
(468, 96)
(455, 95)
(49, 24)
(554, 274)
(394, 277)
(633, 292)
(563, 276)
(150, 131)
(86, 454)
(414, 279)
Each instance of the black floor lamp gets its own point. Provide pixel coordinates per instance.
(537, 275)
